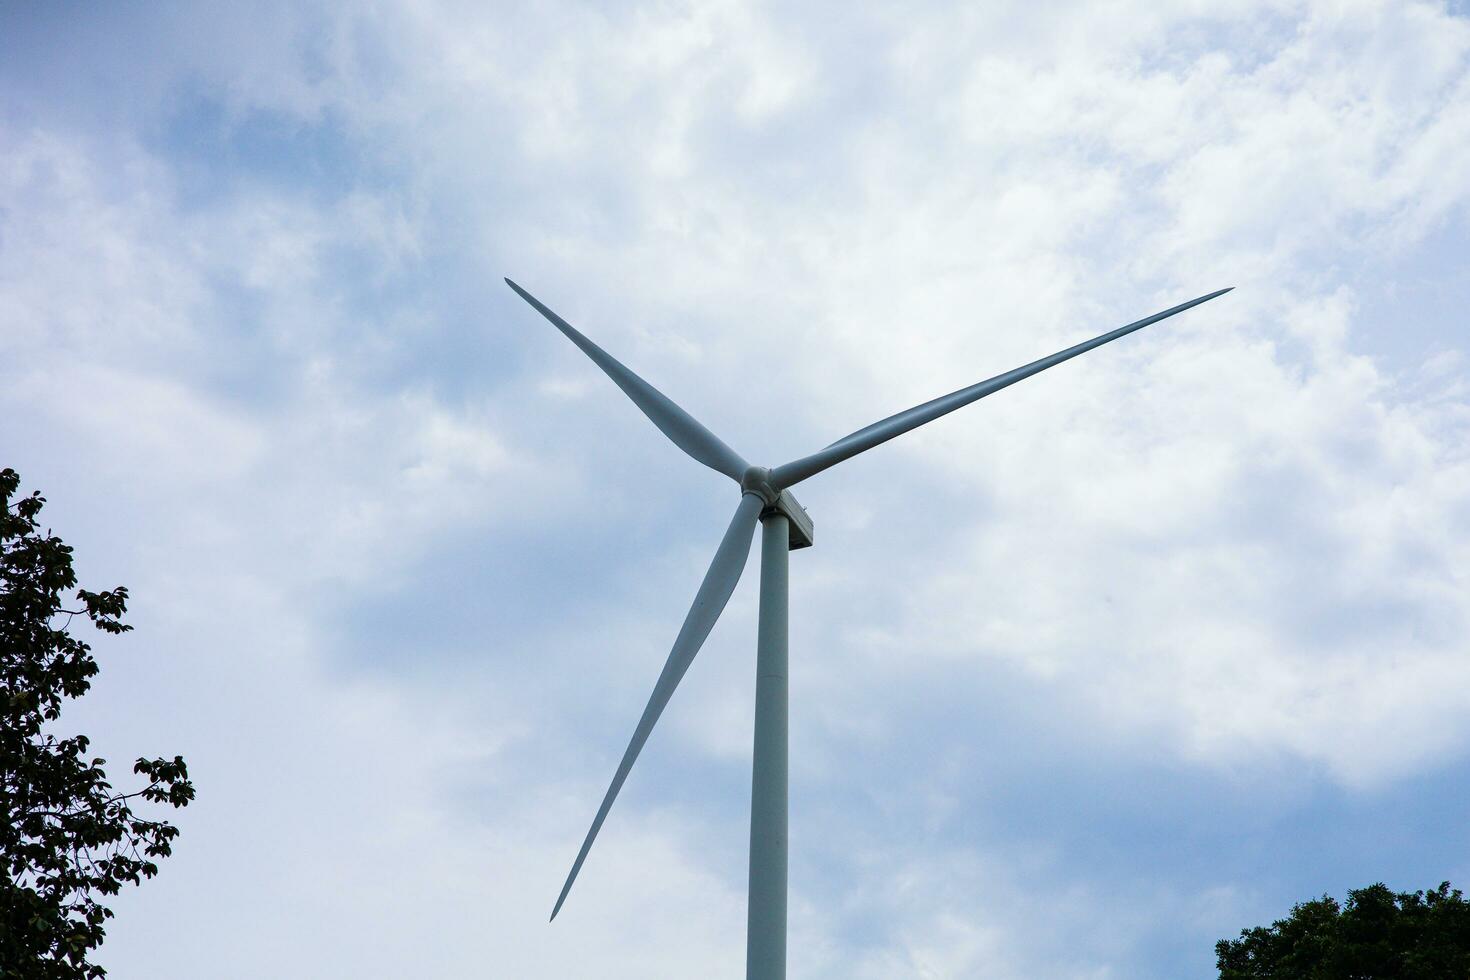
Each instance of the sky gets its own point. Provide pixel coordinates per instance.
(1084, 677)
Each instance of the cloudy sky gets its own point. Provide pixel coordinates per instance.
(1084, 677)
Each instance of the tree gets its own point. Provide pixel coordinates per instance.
(1375, 935)
(68, 839)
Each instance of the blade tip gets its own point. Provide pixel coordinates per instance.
(522, 293)
(561, 899)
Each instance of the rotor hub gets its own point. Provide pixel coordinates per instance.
(757, 480)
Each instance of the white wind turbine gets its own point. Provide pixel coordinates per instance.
(765, 496)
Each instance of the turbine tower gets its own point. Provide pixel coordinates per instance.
(765, 496)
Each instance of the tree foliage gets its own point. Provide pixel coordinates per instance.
(1375, 935)
(68, 839)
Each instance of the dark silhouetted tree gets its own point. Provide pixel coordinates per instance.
(1375, 935)
(68, 839)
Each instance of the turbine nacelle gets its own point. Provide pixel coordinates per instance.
(756, 481)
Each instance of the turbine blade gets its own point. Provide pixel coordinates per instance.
(866, 438)
(709, 602)
(682, 428)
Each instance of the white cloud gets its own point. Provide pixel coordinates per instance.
(1235, 539)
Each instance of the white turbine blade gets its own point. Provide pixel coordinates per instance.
(709, 602)
(682, 428)
(866, 438)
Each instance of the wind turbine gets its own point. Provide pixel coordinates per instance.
(765, 496)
